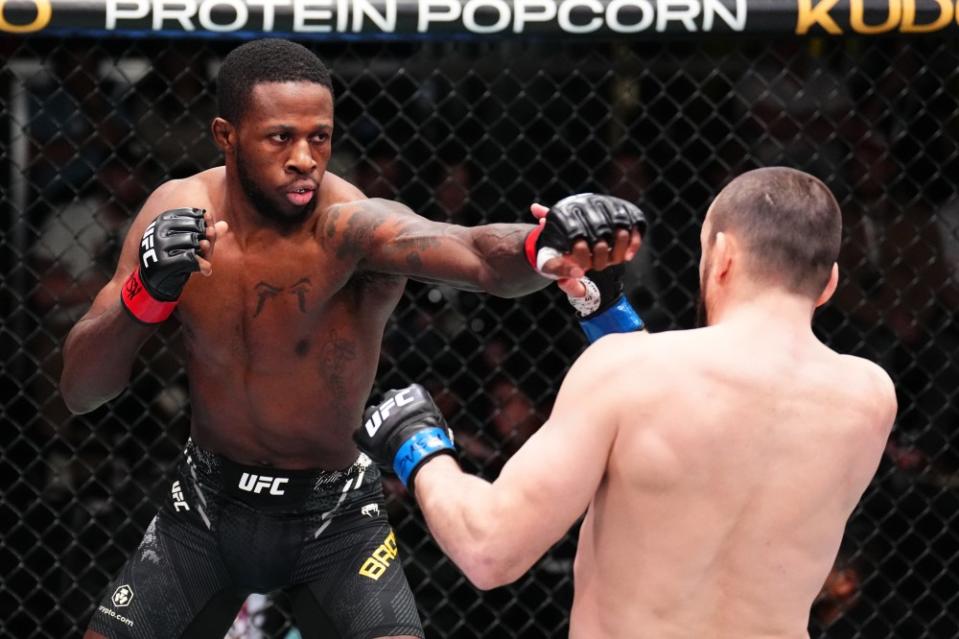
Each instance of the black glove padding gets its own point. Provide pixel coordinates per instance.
(589, 217)
(168, 252)
(404, 430)
(603, 289)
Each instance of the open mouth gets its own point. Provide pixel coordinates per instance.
(300, 197)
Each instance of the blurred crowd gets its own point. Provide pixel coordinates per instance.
(467, 134)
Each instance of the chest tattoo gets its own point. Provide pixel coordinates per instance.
(266, 291)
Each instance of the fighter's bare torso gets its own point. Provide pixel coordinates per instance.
(283, 340)
(733, 471)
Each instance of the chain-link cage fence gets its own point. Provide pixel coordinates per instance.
(473, 132)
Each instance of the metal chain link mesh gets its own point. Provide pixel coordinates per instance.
(473, 133)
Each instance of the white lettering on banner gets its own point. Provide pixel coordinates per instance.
(241, 15)
(502, 15)
(532, 11)
(566, 21)
(122, 10)
(385, 22)
(472, 16)
(450, 11)
(680, 11)
(615, 9)
(304, 10)
(712, 8)
(179, 10)
(269, 10)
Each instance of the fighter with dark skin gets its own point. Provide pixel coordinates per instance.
(282, 343)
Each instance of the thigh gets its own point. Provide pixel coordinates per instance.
(174, 585)
(351, 581)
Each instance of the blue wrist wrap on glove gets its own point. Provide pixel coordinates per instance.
(423, 444)
(618, 318)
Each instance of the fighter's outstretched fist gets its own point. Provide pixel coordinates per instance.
(178, 243)
(403, 431)
(584, 232)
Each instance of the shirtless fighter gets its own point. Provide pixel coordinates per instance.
(718, 465)
(282, 341)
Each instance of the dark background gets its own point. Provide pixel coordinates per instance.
(472, 133)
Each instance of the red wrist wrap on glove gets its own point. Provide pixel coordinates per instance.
(530, 246)
(141, 305)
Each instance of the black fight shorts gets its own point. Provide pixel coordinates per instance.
(227, 530)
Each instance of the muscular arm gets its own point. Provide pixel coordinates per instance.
(99, 352)
(385, 236)
(495, 532)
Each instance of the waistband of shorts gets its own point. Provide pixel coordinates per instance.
(263, 486)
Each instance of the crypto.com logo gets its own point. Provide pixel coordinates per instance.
(122, 596)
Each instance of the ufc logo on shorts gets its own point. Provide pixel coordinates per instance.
(256, 483)
(147, 244)
(178, 500)
(376, 419)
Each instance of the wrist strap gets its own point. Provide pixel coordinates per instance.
(425, 443)
(618, 318)
(537, 258)
(140, 304)
(530, 246)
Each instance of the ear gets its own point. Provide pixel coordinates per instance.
(722, 256)
(830, 286)
(224, 134)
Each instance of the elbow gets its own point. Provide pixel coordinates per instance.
(492, 285)
(487, 575)
(77, 402)
(73, 401)
(499, 287)
(490, 567)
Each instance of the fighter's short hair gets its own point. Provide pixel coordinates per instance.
(789, 223)
(268, 60)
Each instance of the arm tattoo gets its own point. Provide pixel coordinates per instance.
(414, 261)
(498, 241)
(357, 239)
(390, 238)
(413, 247)
(501, 248)
(331, 220)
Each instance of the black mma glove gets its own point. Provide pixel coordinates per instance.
(167, 259)
(586, 216)
(403, 431)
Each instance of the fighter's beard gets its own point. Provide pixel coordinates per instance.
(262, 203)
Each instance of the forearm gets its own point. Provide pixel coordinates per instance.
(388, 237)
(468, 522)
(98, 357)
(506, 272)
